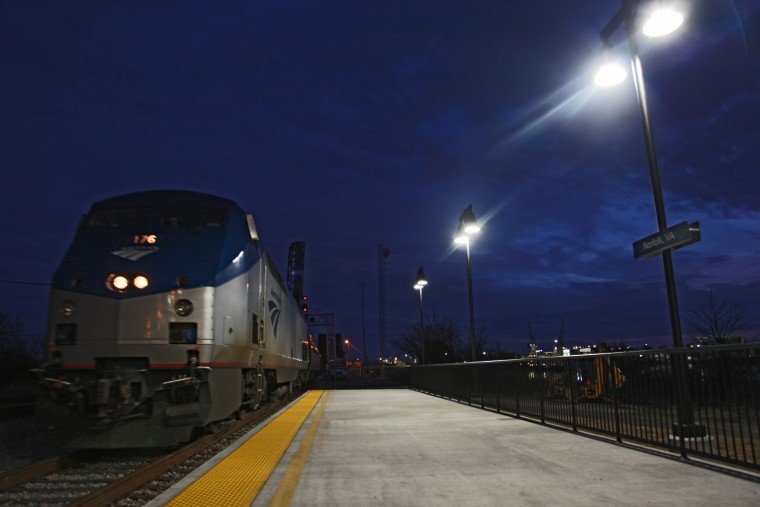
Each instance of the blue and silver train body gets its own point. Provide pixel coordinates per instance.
(166, 316)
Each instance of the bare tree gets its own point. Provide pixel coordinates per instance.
(718, 321)
(442, 341)
(482, 342)
(15, 351)
(11, 341)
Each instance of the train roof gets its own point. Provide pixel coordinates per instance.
(165, 197)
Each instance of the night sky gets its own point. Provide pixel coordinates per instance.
(355, 123)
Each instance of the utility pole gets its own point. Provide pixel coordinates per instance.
(382, 254)
(364, 334)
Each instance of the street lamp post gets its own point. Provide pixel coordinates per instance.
(468, 225)
(419, 285)
(660, 23)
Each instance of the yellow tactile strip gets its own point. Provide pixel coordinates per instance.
(238, 478)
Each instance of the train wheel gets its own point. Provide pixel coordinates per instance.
(213, 427)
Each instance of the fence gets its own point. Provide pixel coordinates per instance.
(697, 401)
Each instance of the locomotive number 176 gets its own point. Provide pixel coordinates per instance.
(145, 239)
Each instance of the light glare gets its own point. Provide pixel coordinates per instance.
(141, 282)
(662, 22)
(610, 74)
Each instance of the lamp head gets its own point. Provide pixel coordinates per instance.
(421, 279)
(662, 20)
(468, 222)
(468, 225)
(610, 72)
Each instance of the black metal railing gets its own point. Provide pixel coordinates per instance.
(697, 401)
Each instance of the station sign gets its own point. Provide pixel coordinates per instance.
(671, 238)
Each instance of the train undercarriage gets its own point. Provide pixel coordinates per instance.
(129, 406)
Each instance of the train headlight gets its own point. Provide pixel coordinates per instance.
(119, 282)
(183, 307)
(67, 308)
(125, 281)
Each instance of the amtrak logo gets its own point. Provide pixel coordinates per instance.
(134, 253)
(274, 316)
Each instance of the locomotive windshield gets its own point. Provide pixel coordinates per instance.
(122, 217)
(192, 217)
(186, 216)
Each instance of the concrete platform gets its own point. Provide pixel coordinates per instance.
(400, 447)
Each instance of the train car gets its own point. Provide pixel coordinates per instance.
(167, 316)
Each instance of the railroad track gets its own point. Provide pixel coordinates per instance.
(17, 407)
(97, 478)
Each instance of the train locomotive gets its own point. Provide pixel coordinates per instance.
(166, 317)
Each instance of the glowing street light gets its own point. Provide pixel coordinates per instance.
(662, 21)
(350, 346)
(468, 225)
(611, 72)
(659, 22)
(419, 285)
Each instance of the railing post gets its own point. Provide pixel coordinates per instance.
(571, 373)
(518, 386)
(471, 383)
(616, 406)
(498, 390)
(685, 426)
(482, 386)
(541, 394)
